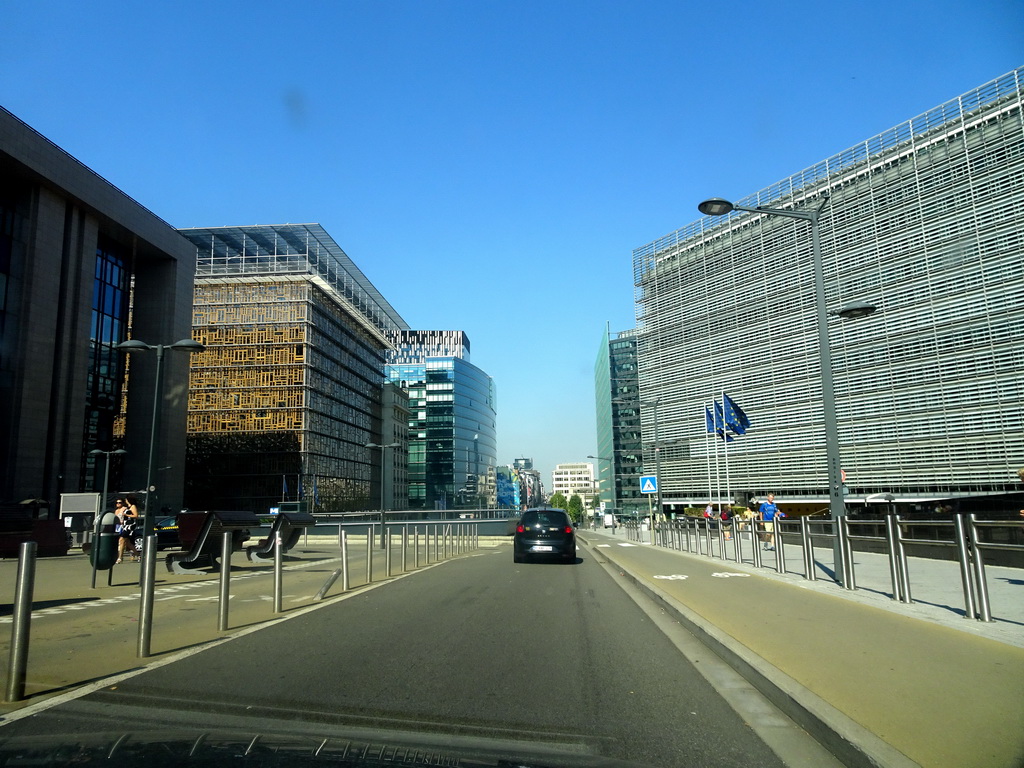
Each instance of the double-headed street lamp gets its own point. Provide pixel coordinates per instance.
(147, 573)
(383, 463)
(837, 506)
(134, 345)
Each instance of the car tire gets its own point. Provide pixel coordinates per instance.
(516, 557)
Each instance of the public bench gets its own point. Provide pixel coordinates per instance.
(201, 535)
(289, 525)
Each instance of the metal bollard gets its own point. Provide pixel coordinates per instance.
(808, 549)
(405, 546)
(780, 548)
(369, 555)
(849, 576)
(148, 581)
(966, 576)
(327, 585)
(901, 559)
(755, 540)
(22, 621)
(984, 610)
(225, 579)
(278, 574)
(387, 555)
(345, 583)
(416, 546)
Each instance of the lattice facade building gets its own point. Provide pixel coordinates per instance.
(289, 390)
(925, 221)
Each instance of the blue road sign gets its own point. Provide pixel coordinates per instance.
(648, 483)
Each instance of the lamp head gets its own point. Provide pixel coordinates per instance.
(715, 206)
(856, 310)
(133, 345)
(188, 345)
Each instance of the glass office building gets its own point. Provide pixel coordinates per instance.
(924, 221)
(452, 423)
(84, 267)
(617, 401)
(288, 392)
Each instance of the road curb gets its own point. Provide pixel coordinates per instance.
(849, 741)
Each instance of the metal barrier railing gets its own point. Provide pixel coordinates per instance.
(451, 538)
(703, 536)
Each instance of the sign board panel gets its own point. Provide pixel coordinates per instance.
(648, 483)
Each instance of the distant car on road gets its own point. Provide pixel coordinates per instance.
(166, 529)
(544, 532)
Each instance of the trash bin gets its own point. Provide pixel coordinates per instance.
(103, 554)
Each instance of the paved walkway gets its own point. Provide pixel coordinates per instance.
(883, 682)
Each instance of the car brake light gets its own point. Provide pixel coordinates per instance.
(568, 529)
(520, 528)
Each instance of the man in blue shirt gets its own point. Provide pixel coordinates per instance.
(768, 511)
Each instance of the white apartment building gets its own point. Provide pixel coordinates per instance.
(578, 479)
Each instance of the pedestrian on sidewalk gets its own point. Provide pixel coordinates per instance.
(726, 517)
(767, 512)
(127, 511)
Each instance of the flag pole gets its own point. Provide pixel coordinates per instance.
(707, 447)
(718, 467)
(725, 439)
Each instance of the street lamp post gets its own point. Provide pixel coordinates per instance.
(383, 463)
(147, 572)
(134, 345)
(103, 501)
(837, 505)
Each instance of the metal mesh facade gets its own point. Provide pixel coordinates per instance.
(925, 221)
(288, 392)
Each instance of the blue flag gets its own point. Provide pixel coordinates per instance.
(735, 418)
(709, 420)
(720, 423)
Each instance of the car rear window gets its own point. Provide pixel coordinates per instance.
(545, 519)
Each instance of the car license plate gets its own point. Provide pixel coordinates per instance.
(543, 548)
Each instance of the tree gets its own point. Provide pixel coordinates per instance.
(558, 501)
(575, 508)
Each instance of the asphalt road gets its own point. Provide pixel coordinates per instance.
(475, 648)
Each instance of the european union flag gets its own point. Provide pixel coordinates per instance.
(709, 420)
(720, 423)
(734, 417)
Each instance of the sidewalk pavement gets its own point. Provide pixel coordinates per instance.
(879, 681)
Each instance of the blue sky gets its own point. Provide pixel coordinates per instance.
(489, 165)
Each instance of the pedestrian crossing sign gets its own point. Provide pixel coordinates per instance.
(648, 484)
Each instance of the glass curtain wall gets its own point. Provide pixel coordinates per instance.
(105, 376)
